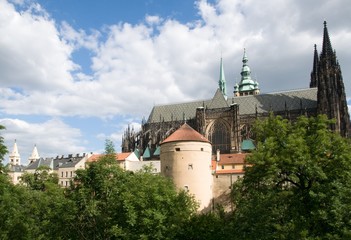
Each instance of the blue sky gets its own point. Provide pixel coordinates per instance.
(74, 73)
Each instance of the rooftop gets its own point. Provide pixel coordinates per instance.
(185, 133)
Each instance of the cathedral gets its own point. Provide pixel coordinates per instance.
(226, 121)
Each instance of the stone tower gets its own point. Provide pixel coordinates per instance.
(186, 159)
(14, 157)
(331, 97)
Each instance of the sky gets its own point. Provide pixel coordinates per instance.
(75, 73)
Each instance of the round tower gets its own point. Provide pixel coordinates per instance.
(186, 159)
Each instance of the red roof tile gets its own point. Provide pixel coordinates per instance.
(221, 171)
(231, 158)
(119, 157)
(185, 133)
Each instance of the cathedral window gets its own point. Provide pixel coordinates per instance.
(219, 136)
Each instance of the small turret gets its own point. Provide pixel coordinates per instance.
(14, 157)
(34, 156)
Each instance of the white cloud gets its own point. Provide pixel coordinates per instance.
(161, 60)
(32, 55)
(151, 20)
(52, 137)
(156, 61)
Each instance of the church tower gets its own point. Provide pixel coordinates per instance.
(35, 155)
(331, 97)
(222, 83)
(14, 157)
(247, 85)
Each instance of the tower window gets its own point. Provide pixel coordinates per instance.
(177, 149)
(190, 166)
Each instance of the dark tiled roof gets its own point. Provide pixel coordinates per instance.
(185, 133)
(292, 100)
(16, 168)
(218, 100)
(48, 162)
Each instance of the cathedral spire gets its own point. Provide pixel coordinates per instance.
(14, 157)
(327, 47)
(247, 85)
(222, 83)
(331, 96)
(314, 74)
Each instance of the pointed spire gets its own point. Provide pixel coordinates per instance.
(245, 59)
(35, 155)
(222, 83)
(247, 85)
(14, 157)
(15, 150)
(327, 47)
(331, 96)
(314, 73)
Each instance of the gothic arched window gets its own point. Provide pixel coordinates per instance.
(219, 135)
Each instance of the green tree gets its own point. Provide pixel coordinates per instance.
(115, 204)
(3, 151)
(40, 179)
(298, 183)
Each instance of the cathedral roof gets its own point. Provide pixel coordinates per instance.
(218, 100)
(185, 133)
(263, 103)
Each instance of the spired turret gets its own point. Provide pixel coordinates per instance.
(15, 157)
(247, 85)
(186, 159)
(34, 156)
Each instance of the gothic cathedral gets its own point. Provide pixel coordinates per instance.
(227, 121)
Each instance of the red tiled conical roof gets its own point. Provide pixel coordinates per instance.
(185, 133)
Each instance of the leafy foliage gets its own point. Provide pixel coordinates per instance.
(298, 183)
(3, 151)
(40, 179)
(112, 203)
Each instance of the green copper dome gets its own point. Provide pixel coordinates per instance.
(247, 85)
